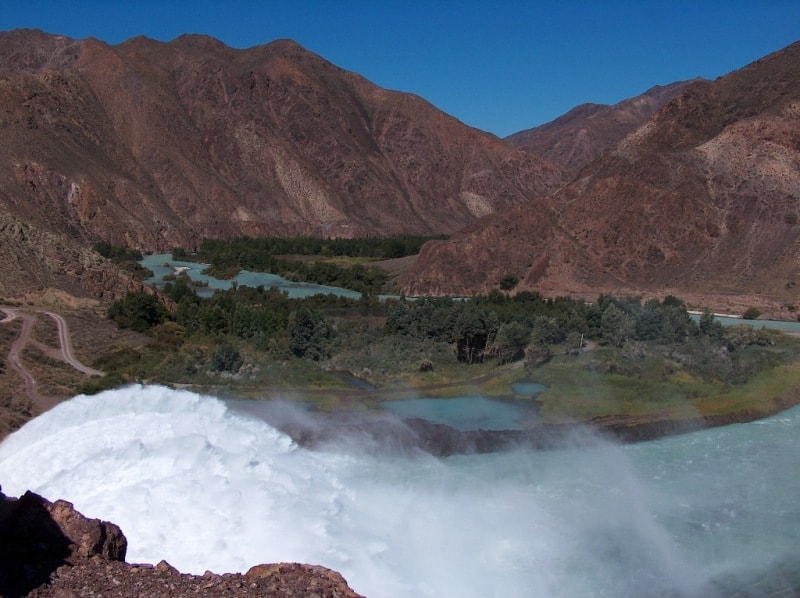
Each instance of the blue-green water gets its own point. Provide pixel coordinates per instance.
(162, 264)
(465, 413)
(783, 326)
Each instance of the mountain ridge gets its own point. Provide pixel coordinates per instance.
(690, 188)
(582, 134)
(701, 200)
(156, 144)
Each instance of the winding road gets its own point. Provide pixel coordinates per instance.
(64, 353)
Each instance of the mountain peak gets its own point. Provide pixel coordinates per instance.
(582, 135)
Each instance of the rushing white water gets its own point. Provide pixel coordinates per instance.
(204, 487)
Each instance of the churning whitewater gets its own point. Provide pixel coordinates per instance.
(205, 487)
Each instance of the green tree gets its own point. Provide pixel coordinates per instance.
(546, 331)
(509, 281)
(616, 326)
(537, 354)
(751, 313)
(309, 334)
(138, 311)
(474, 328)
(226, 358)
(574, 342)
(709, 326)
(510, 342)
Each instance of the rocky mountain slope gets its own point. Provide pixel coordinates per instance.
(155, 144)
(582, 135)
(689, 188)
(50, 549)
(704, 198)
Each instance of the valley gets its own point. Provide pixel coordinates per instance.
(684, 191)
(357, 332)
(687, 189)
(634, 369)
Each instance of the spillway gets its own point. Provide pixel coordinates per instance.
(206, 487)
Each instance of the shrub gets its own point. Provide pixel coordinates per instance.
(226, 358)
(310, 334)
(138, 311)
(751, 313)
(509, 281)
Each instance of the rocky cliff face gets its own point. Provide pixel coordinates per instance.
(32, 259)
(154, 145)
(703, 198)
(49, 549)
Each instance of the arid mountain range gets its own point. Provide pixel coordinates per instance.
(155, 145)
(691, 188)
(703, 199)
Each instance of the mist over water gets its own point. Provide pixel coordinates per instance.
(192, 481)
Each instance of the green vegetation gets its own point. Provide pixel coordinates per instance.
(117, 253)
(125, 257)
(279, 256)
(618, 356)
(751, 313)
(251, 251)
(508, 282)
(613, 357)
(138, 311)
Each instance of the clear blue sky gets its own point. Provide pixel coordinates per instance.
(501, 66)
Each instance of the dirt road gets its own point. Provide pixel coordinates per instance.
(64, 352)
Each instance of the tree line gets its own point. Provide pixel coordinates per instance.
(125, 257)
(252, 248)
(488, 327)
(269, 254)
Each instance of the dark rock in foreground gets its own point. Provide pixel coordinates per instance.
(50, 549)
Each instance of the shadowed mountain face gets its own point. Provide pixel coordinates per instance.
(703, 198)
(155, 144)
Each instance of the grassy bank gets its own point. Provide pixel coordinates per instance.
(575, 393)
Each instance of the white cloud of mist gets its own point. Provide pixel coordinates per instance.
(203, 486)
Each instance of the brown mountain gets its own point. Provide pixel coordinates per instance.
(703, 199)
(581, 135)
(155, 144)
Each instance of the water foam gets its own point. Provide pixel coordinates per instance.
(204, 487)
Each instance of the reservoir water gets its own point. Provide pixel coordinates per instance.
(162, 264)
(189, 480)
(465, 413)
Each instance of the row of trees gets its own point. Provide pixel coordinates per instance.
(125, 257)
(251, 250)
(269, 254)
(226, 258)
(506, 328)
(254, 315)
(496, 326)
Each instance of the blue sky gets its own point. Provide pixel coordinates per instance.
(501, 66)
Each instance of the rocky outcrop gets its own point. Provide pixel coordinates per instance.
(33, 259)
(49, 549)
(37, 537)
(394, 436)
